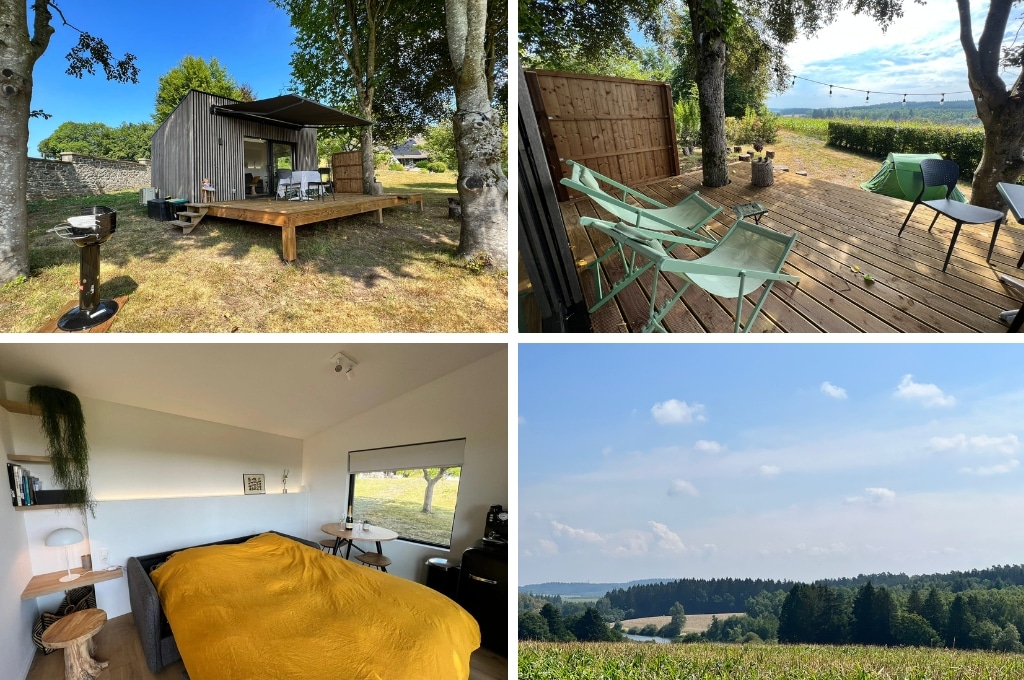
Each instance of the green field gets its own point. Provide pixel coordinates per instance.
(647, 661)
(396, 503)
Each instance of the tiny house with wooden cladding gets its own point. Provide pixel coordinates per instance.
(241, 147)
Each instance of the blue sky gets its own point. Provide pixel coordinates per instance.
(920, 52)
(251, 39)
(794, 461)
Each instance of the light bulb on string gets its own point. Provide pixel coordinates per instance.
(868, 97)
(904, 100)
(829, 90)
(943, 100)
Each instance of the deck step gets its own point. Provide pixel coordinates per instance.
(190, 214)
(181, 223)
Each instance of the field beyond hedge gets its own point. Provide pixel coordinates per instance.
(648, 661)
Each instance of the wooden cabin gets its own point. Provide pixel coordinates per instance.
(239, 146)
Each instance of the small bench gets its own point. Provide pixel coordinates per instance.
(74, 634)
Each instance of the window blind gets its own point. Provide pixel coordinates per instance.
(447, 453)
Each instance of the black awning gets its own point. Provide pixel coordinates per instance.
(292, 110)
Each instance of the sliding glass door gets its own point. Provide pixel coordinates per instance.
(263, 161)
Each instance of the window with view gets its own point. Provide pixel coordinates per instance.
(411, 489)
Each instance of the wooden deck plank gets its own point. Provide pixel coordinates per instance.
(838, 228)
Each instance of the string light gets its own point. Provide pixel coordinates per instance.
(868, 92)
(829, 90)
(904, 100)
(868, 97)
(943, 100)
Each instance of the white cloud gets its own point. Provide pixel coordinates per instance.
(670, 541)
(522, 420)
(675, 411)
(876, 495)
(707, 446)
(833, 391)
(606, 451)
(630, 544)
(584, 535)
(978, 444)
(547, 547)
(680, 487)
(987, 471)
(925, 393)
(770, 470)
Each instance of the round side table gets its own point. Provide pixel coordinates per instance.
(74, 635)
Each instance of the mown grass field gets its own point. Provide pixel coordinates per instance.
(351, 275)
(396, 503)
(645, 661)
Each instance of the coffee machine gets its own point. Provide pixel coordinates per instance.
(496, 528)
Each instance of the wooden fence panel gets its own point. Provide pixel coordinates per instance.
(621, 128)
(347, 169)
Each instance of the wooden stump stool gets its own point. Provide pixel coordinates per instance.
(74, 635)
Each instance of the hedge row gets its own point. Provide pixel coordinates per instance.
(959, 144)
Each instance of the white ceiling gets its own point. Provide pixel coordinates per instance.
(289, 389)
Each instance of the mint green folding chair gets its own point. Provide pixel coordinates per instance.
(688, 218)
(747, 257)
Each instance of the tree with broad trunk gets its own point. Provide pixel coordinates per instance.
(483, 187)
(19, 51)
(1001, 110)
(432, 480)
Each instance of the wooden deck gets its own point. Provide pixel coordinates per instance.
(290, 214)
(838, 228)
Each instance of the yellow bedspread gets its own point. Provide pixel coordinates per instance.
(274, 608)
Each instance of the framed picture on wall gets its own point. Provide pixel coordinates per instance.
(253, 484)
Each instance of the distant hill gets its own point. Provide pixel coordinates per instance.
(584, 589)
(959, 112)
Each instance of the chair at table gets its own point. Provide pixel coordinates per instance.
(747, 257)
(372, 559)
(286, 188)
(324, 186)
(939, 173)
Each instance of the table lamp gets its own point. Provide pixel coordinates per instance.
(65, 537)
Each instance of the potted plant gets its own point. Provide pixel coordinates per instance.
(63, 426)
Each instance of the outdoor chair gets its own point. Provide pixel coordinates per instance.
(687, 218)
(937, 173)
(747, 257)
(286, 189)
(324, 186)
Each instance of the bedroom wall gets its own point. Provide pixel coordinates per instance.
(16, 616)
(472, 403)
(142, 454)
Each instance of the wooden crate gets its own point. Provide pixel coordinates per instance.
(347, 168)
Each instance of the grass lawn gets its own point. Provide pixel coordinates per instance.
(351, 275)
(396, 503)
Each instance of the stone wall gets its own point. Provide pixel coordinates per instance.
(79, 175)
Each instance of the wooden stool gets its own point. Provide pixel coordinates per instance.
(328, 544)
(73, 634)
(372, 559)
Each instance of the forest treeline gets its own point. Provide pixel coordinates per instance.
(717, 596)
(948, 113)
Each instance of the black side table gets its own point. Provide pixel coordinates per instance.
(755, 210)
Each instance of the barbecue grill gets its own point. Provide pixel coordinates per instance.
(88, 230)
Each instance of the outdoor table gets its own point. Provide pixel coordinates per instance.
(304, 178)
(1013, 194)
(755, 210)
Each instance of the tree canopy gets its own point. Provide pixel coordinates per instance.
(129, 141)
(195, 73)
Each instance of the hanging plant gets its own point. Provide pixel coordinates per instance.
(63, 426)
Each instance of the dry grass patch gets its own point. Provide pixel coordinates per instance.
(695, 623)
(352, 275)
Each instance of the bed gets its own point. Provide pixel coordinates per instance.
(274, 608)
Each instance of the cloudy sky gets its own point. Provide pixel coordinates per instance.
(797, 461)
(920, 52)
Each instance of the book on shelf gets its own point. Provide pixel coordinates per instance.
(13, 483)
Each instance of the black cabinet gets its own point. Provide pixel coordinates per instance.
(483, 591)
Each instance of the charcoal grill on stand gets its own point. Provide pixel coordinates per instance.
(88, 231)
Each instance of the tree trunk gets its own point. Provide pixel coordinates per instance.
(709, 48)
(369, 166)
(483, 187)
(1001, 111)
(428, 495)
(18, 54)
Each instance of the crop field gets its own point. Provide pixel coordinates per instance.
(695, 623)
(644, 661)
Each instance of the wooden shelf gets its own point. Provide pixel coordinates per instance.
(45, 460)
(45, 584)
(20, 407)
(56, 506)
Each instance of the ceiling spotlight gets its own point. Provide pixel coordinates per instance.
(344, 364)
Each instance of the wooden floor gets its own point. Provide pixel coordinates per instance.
(119, 644)
(838, 228)
(290, 214)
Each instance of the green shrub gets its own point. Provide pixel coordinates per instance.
(687, 115)
(752, 126)
(437, 166)
(383, 158)
(396, 167)
(961, 145)
(422, 165)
